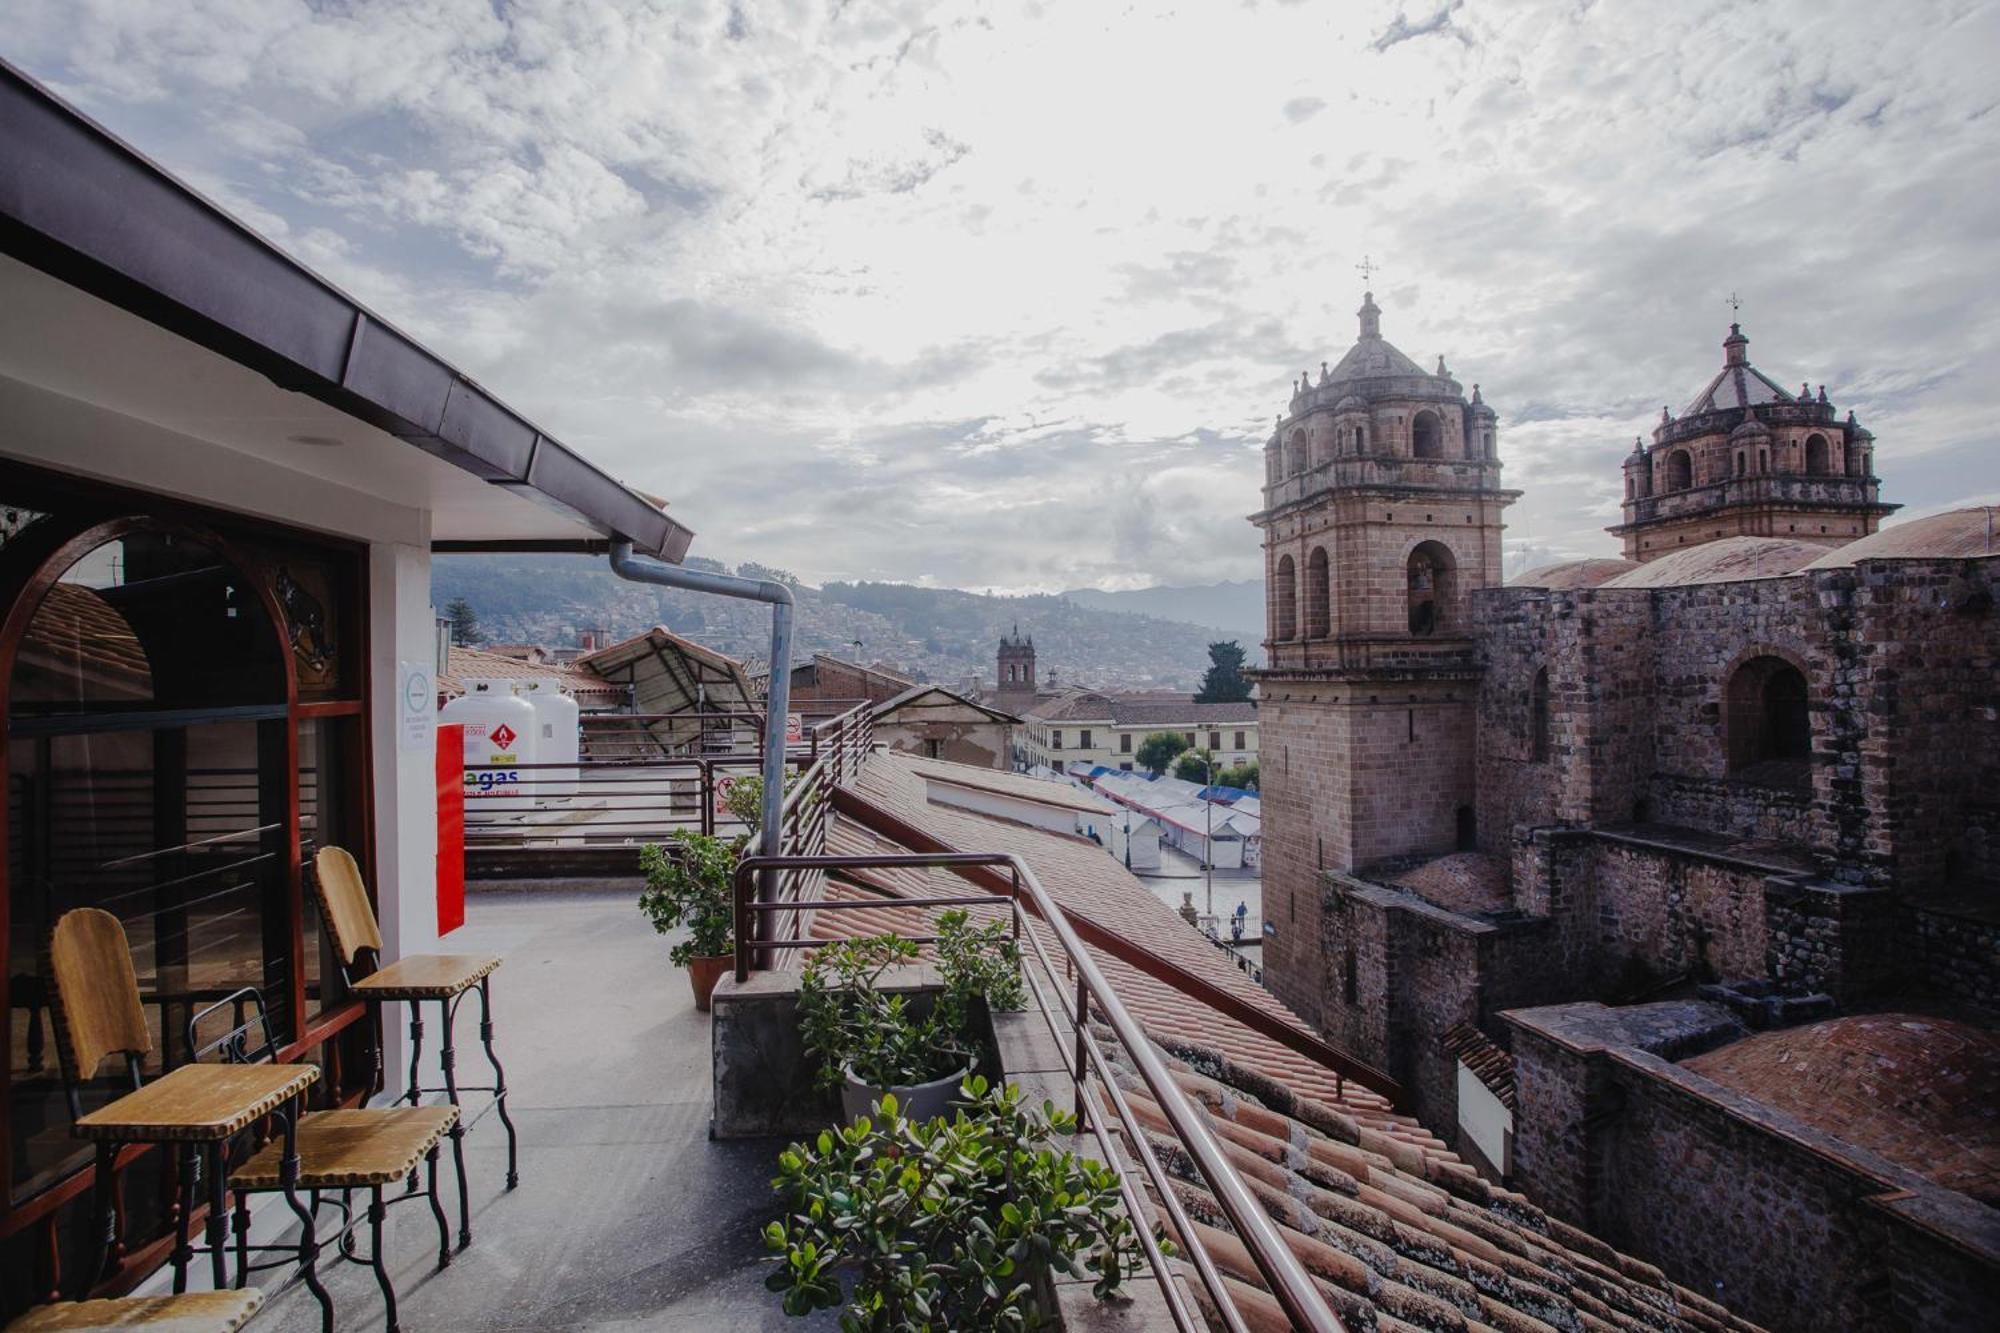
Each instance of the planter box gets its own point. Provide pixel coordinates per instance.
(764, 1081)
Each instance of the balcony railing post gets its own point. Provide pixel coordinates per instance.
(1082, 1055)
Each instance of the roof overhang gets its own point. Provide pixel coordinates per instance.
(88, 210)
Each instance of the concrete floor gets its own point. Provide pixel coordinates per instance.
(627, 1216)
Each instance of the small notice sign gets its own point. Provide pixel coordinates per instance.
(416, 707)
(795, 728)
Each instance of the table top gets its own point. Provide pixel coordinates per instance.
(426, 976)
(197, 1103)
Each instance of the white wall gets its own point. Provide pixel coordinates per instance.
(402, 628)
(1485, 1121)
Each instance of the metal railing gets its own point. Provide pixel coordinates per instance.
(646, 796)
(1100, 1103)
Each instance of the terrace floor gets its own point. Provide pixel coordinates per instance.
(627, 1216)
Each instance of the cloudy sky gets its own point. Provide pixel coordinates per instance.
(1008, 295)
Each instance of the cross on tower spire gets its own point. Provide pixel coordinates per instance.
(1367, 268)
(1733, 301)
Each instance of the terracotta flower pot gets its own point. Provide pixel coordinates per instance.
(703, 973)
(923, 1102)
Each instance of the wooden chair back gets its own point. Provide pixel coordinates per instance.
(343, 904)
(97, 1006)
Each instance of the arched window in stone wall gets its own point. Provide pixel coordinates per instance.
(1680, 470)
(1361, 439)
(1295, 454)
(1318, 594)
(1430, 587)
(1538, 717)
(1818, 461)
(1767, 721)
(1284, 593)
(1426, 436)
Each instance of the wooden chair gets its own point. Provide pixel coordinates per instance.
(189, 1312)
(444, 978)
(99, 1011)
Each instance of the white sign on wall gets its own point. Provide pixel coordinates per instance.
(416, 706)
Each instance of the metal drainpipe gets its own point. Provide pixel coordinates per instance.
(777, 700)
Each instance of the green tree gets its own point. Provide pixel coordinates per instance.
(464, 623)
(1224, 683)
(1159, 750)
(1196, 766)
(1242, 776)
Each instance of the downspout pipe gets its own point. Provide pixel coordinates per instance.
(777, 700)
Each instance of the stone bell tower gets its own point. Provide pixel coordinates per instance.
(1017, 662)
(1382, 515)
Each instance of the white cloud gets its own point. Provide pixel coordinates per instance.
(1008, 295)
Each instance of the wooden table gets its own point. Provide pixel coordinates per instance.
(199, 1108)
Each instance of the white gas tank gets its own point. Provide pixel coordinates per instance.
(557, 736)
(502, 733)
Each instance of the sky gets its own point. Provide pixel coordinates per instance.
(1009, 295)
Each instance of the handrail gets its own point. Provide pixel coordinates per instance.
(1280, 1267)
(1344, 1067)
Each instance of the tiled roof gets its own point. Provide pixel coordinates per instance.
(916, 692)
(1147, 712)
(1460, 882)
(1399, 1230)
(1488, 1063)
(77, 633)
(1400, 1238)
(1044, 790)
(476, 664)
(1923, 1091)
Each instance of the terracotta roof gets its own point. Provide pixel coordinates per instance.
(1922, 1091)
(1460, 882)
(1572, 574)
(1146, 712)
(1400, 1231)
(1488, 1063)
(75, 625)
(1043, 790)
(477, 664)
(1400, 1238)
(1724, 560)
(1961, 532)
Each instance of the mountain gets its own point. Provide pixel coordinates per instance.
(940, 634)
(1237, 607)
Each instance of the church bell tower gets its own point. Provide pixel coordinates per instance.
(1382, 515)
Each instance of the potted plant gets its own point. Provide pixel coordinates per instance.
(870, 1042)
(953, 1223)
(688, 884)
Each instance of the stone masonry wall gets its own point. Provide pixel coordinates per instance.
(1786, 1225)
(1959, 955)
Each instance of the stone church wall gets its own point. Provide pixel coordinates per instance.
(1785, 1224)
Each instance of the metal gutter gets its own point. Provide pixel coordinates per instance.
(83, 206)
(777, 701)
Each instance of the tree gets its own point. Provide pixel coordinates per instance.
(1159, 750)
(464, 623)
(1224, 683)
(1196, 766)
(1243, 777)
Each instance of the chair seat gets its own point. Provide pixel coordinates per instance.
(426, 976)
(348, 1148)
(193, 1312)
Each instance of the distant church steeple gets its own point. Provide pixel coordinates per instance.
(1017, 661)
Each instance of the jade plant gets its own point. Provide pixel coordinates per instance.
(951, 1224)
(849, 1023)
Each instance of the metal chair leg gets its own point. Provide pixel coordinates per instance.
(499, 1080)
(448, 1060)
(437, 1209)
(288, 1180)
(416, 1049)
(183, 1223)
(242, 1238)
(218, 1220)
(377, 1210)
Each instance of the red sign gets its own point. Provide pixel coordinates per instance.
(503, 736)
(451, 827)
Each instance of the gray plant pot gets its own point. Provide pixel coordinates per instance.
(925, 1101)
